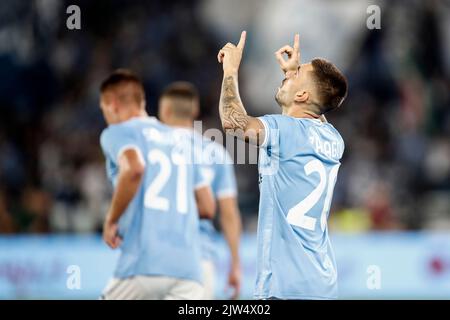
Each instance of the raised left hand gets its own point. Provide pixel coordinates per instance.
(292, 63)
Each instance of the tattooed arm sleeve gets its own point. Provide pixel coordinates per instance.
(235, 120)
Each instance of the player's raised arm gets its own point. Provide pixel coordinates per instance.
(233, 115)
(131, 171)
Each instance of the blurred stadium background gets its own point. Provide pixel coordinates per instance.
(391, 206)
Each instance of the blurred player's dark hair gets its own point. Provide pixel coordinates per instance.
(124, 78)
(331, 84)
(185, 98)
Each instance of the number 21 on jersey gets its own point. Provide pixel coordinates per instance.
(297, 215)
(152, 197)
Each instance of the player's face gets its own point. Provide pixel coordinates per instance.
(294, 82)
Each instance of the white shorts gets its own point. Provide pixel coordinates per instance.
(152, 288)
(209, 274)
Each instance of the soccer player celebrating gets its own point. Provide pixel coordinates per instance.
(153, 216)
(298, 165)
(179, 107)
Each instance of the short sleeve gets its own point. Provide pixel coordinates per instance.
(200, 170)
(271, 131)
(284, 135)
(116, 139)
(201, 173)
(224, 183)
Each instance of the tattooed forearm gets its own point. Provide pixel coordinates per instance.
(232, 112)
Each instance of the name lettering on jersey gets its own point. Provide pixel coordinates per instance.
(180, 141)
(330, 149)
(154, 135)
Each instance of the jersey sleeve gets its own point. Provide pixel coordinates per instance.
(283, 134)
(224, 183)
(200, 176)
(116, 139)
(271, 131)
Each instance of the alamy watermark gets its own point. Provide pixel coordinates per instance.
(73, 21)
(373, 281)
(374, 19)
(73, 281)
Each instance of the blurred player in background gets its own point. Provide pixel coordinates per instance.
(298, 165)
(153, 216)
(179, 107)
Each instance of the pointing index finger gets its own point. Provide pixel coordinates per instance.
(296, 42)
(241, 43)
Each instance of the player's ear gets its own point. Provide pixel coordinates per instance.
(164, 110)
(301, 96)
(195, 110)
(143, 104)
(160, 111)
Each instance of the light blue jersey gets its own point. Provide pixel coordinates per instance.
(298, 165)
(220, 176)
(160, 226)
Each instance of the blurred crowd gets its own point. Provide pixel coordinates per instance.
(395, 122)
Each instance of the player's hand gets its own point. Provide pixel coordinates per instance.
(293, 56)
(110, 234)
(230, 55)
(234, 281)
